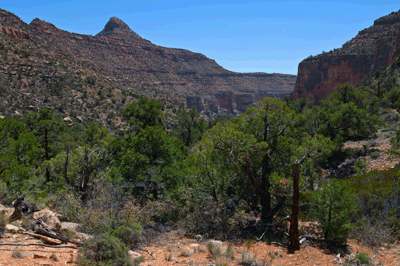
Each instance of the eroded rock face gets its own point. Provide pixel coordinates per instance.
(121, 58)
(372, 48)
(317, 79)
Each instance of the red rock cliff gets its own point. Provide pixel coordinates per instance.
(372, 48)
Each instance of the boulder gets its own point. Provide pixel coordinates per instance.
(13, 229)
(71, 227)
(49, 218)
(6, 212)
(81, 236)
(216, 243)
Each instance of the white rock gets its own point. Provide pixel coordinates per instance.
(216, 243)
(11, 228)
(133, 254)
(67, 119)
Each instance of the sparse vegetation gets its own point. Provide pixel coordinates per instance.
(17, 253)
(104, 249)
(249, 259)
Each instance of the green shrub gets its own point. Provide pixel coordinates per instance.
(363, 258)
(376, 193)
(104, 250)
(130, 236)
(334, 204)
(3, 221)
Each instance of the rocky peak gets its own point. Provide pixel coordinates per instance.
(116, 23)
(116, 26)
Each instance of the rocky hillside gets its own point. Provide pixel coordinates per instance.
(371, 49)
(94, 77)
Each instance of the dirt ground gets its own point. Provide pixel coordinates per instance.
(33, 255)
(173, 249)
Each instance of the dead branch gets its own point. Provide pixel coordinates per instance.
(43, 230)
(44, 238)
(279, 244)
(273, 229)
(37, 244)
(142, 249)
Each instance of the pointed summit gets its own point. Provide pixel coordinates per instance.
(116, 23)
(115, 26)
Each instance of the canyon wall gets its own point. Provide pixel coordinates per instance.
(318, 76)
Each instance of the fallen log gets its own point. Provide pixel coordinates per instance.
(45, 239)
(37, 244)
(43, 230)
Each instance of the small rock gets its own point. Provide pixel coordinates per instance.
(11, 228)
(198, 237)
(39, 256)
(67, 119)
(216, 243)
(133, 254)
(194, 246)
(54, 257)
(277, 254)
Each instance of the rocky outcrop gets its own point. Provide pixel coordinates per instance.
(120, 55)
(371, 49)
(228, 103)
(15, 34)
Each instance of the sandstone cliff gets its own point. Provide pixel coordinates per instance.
(119, 58)
(372, 48)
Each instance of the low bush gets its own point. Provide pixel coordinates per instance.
(377, 219)
(130, 236)
(363, 258)
(104, 250)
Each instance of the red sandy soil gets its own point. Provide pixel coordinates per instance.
(28, 254)
(172, 243)
(269, 254)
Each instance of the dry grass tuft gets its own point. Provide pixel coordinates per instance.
(250, 259)
(168, 256)
(17, 253)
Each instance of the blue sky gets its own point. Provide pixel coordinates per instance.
(242, 36)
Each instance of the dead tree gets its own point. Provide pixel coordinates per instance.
(21, 209)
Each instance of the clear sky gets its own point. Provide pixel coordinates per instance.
(242, 36)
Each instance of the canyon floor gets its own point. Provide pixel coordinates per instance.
(173, 249)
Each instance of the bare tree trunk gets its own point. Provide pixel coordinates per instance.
(294, 220)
